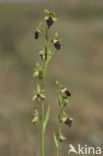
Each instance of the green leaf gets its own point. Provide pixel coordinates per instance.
(55, 140)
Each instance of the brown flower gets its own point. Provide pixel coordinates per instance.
(67, 93)
(57, 45)
(38, 98)
(49, 21)
(43, 57)
(36, 35)
(68, 122)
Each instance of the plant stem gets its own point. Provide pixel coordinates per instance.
(43, 104)
(57, 149)
(59, 129)
(43, 133)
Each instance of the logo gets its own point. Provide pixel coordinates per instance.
(84, 150)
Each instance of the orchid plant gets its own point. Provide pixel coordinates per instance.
(40, 72)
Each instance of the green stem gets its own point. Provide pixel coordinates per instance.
(57, 149)
(43, 132)
(43, 104)
(59, 129)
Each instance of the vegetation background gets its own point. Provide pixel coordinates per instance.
(79, 64)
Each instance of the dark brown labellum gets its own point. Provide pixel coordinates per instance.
(38, 99)
(49, 21)
(36, 35)
(67, 93)
(68, 122)
(57, 45)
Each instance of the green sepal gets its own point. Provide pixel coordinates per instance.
(57, 83)
(46, 17)
(34, 97)
(61, 137)
(64, 117)
(55, 19)
(43, 54)
(39, 28)
(46, 11)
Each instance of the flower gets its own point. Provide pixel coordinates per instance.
(57, 45)
(61, 137)
(68, 122)
(50, 17)
(36, 35)
(39, 98)
(38, 94)
(36, 117)
(39, 30)
(38, 71)
(67, 93)
(43, 55)
(49, 22)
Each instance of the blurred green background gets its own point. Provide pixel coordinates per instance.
(79, 65)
